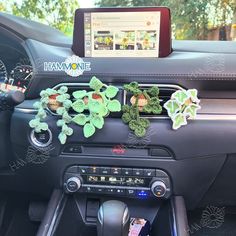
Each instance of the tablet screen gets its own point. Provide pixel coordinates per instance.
(122, 34)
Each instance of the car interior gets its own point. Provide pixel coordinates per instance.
(71, 169)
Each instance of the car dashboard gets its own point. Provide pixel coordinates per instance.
(192, 162)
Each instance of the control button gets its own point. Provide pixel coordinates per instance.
(161, 173)
(115, 171)
(149, 172)
(137, 172)
(73, 169)
(105, 170)
(88, 189)
(72, 149)
(99, 190)
(142, 193)
(93, 170)
(130, 192)
(110, 190)
(73, 184)
(127, 171)
(158, 188)
(120, 191)
(83, 170)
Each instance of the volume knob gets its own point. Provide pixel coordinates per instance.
(158, 189)
(73, 184)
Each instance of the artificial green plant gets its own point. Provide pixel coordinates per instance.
(183, 104)
(39, 124)
(131, 113)
(92, 106)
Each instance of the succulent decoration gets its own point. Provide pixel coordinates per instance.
(56, 100)
(94, 105)
(183, 104)
(142, 100)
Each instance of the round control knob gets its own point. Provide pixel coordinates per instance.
(73, 184)
(158, 188)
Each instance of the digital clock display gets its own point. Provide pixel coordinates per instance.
(115, 180)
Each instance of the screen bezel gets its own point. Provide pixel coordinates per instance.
(165, 27)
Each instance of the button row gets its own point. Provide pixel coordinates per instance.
(83, 170)
(117, 191)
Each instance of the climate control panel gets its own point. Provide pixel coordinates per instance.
(118, 181)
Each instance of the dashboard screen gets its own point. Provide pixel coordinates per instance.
(122, 34)
(134, 32)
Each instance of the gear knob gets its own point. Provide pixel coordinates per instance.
(113, 219)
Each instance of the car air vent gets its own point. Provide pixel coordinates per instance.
(83, 86)
(166, 91)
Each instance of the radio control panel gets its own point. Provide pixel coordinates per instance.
(118, 181)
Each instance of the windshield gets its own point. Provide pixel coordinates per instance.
(191, 19)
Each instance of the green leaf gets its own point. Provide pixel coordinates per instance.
(125, 108)
(34, 123)
(172, 107)
(95, 84)
(67, 104)
(62, 98)
(80, 119)
(180, 96)
(191, 110)
(60, 110)
(79, 94)
(66, 117)
(67, 130)
(94, 106)
(97, 121)
(89, 130)
(41, 113)
(48, 92)
(114, 106)
(179, 120)
(192, 93)
(60, 123)
(62, 138)
(144, 122)
(153, 91)
(63, 90)
(103, 111)
(133, 124)
(43, 126)
(78, 105)
(37, 105)
(111, 91)
(126, 118)
(140, 131)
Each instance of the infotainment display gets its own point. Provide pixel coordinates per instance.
(122, 32)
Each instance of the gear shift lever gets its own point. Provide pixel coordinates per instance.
(113, 219)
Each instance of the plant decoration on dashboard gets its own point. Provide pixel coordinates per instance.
(91, 108)
(141, 101)
(183, 104)
(94, 105)
(55, 100)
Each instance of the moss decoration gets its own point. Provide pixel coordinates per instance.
(93, 106)
(183, 104)
(142, 100)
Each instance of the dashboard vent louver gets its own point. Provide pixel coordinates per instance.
(166, 90)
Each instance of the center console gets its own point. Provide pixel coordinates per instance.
(117, 181)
